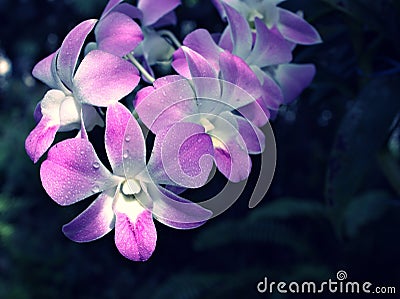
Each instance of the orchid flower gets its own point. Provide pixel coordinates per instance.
(292, 26)
(265, 50)
(128, 198)
(176, 109)
(152, 14)
(100, 79)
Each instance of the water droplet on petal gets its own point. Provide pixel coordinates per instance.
(127, 138)
(96, 165)
(126, 154)
(95, 189)
(82, 152)
(164, 93)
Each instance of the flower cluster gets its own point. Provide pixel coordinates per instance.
(227, 87)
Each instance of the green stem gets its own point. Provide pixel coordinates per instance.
(141, 69)
(171, 36)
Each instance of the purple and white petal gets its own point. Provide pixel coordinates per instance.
(72, 172)
(152, 12)
(253, 137)
(270, 47)
(242, 85)
(296, 29)
(40, 138)
(118, 34)
(182, 156)
(241, 33)
(293, 79)
(162, 107)
(202, 42)
(199, 65)
(70, 50)
(103, 79)
(135, 232)
(45, 71)
(232, 160)
(173, 210)
(230, 150)
(124, 142)
(95, 222)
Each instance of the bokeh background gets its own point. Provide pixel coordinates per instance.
(333, 204)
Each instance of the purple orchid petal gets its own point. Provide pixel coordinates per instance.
(205, 77)
(162, 107)
(44, 70)
(244, 86)
(270, 47)
(37, 113)
(152, 13)
(110, 7)
(167, 20)
(241, 33)
(198, 65)
(182, 156)
(135, 233)
(201, 41)
(73, 172)
(233, 160)
(296, 29)
(41, 138)
(293, 78)
(118, 34)
(225, 40)
(253, 137)
(256, 113)
(124, 142)
(129, 10)
(179, 63)
(272, 97)
(173, 210)
(95, 222)
(70, 50)
(103, 79)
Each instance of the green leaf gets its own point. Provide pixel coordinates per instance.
(365, 209)
(288, 207)
(361, 135)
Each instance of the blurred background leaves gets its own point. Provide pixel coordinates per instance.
(333, 204)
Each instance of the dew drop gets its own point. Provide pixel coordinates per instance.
(164, 93)
(128, 138)
(126, 154)
(96, 165)
(82, 153)
(95, 189)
